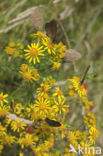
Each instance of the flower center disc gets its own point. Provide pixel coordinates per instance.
(33, 52)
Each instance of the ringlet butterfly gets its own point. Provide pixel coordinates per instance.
(51, 29)
(52, 123)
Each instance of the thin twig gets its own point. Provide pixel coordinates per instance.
(15, 118)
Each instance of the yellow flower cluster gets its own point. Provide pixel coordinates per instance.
(27, 141)
(90, 119)
(77, 89)
(87, 104)
(46, 105)
(14, 49)
(29, 74)
(39, 125)
(93, 134)
(44, 46)
(82, 92)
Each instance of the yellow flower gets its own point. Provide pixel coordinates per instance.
(90, 119)
(48, 45)
(49, 143)
(4, 110)
(78, 87)
(93, 132)
(9, 50)
(8, 140)
(20, 46)
(12, 44)
(33, 114)
(62, 47)
(83, 136)
(42, 106)
(27, 75)
(56, 65)
(75, 95)
(63, 130)
(81, 90)
(21, 154)
(33, 52)
(18, 108)
(59, 105)
(50, 80)
(17, 126)
(26, 141)
(24, 67)
(22, 142)
(35, 138)
(2, 98)
(43, 89)
(58, 93)
(16, 53)
(72, 137)
(60, 50)
(87, 103)
(71, 92)
(39, 34)
(70, 86)
(66, 149)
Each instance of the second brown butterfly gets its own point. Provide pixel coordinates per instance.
(51, 29)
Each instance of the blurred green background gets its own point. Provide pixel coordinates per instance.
(83, 23)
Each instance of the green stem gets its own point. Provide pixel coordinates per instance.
(65, 34)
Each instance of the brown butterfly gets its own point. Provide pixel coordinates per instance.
(52, 123)
(51, 29)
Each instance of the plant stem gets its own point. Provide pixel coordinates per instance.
(65, 34)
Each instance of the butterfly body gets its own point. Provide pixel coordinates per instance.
(52, 123)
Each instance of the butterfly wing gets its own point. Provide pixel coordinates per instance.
(51, 29)
(52, 123)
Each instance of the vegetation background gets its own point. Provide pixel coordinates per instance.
(83, 23)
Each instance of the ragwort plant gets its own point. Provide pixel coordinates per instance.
(35, 128)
